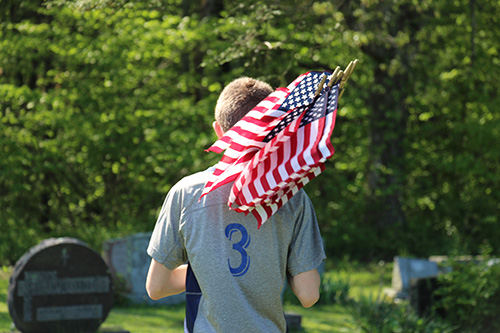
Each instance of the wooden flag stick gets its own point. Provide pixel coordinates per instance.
(341, 93)
(354, 63)
(348, 70)
(333, 78)
(340, 74)
(347, 73)
(320, 86)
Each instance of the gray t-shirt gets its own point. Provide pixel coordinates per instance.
(240, 269)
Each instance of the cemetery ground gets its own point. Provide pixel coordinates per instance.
(363, 281)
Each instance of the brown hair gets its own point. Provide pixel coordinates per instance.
(237, 98)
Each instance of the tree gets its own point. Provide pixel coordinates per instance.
(106, 104)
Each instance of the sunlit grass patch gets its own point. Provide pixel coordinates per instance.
(323, 318)
(364, 280)
(5, 320)
(147, 319)
(328, 317)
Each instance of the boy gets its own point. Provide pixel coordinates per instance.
(235, 272)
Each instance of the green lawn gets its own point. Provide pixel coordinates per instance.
(147, 319)
(151, 319)
(323, 318)
(5, 320)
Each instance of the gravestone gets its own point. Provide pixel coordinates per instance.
(405, 269)
(128, 260)
(293, 321)
(60, 285)
(423, 296)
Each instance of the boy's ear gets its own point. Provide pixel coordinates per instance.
(218, 130)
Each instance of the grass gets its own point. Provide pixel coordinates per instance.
(323, 318)
(147, 319)
(363, 279)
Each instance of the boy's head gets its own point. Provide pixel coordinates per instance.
(237, 98)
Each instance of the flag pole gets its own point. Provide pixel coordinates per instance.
(320, 86)
(348, 71)
(333, 78)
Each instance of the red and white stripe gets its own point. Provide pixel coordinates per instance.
(272, 180)
(244, 139)
(267, 175)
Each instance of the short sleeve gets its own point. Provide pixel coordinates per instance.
(166, 245)
(306, 251)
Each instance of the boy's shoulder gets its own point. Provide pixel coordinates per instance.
(194, 184)
(195, 179)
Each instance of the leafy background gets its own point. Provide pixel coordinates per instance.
(106, 104)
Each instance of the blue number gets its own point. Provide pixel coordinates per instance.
(240, 247)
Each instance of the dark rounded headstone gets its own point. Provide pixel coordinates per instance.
(60, 285)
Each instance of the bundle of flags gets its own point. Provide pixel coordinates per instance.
(280, 145)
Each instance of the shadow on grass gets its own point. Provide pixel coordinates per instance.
(147, 318)
(323, 318)
(155, 319)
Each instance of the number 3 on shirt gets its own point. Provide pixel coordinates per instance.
(240, 247)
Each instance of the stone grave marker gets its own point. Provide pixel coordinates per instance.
(406, 269)
(128, 260)
(293, 321)
(423, 297)
(60, 285)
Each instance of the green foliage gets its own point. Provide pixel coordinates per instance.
(453, 165)
(120, 291)
(106, 104)
(334, 290)
(379, 315)
(470, 293)
(95, 132)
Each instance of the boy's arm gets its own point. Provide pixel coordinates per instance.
(162, 282)
(306, 287)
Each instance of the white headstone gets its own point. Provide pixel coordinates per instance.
(406, 269)
(127, 259)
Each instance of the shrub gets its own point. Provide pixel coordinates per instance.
(470, 294)
(380, 315)
(334, 291)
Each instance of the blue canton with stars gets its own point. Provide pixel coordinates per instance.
(284, 123)
(325, 104)
(302, 104)
(303, 93)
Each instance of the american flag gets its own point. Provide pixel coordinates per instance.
(278, 147)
